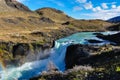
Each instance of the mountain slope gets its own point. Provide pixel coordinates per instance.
(4, 7)
(17, 5)
(115, 19)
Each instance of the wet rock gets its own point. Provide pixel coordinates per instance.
(94, 41)
(113, 38)
(20, 49)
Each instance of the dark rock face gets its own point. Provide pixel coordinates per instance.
(113, 38)
(17, 5)
(20, 50)
(77, 52)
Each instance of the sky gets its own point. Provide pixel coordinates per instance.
(80, 9)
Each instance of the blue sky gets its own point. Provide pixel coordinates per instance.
(80, 9)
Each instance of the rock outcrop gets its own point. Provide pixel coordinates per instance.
(75, 53)
(115, 27)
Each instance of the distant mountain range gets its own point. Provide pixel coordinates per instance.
(115, 19)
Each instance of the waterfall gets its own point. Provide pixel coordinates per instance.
(30, 69)
(56, 57)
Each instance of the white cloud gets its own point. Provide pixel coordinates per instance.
(100, 11)
(88, 5)
(22, 0)
(104, 14)
(81, 1)
(98, 8)
(113, 6)
(113, 2)
(59, 4)
(104, 5)
(77, 8)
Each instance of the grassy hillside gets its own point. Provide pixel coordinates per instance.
(89, 25)
(55, 15)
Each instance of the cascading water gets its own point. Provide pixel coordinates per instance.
(56, 56)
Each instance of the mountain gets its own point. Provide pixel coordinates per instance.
(115, 19)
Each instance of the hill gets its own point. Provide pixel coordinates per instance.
(54, 14)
